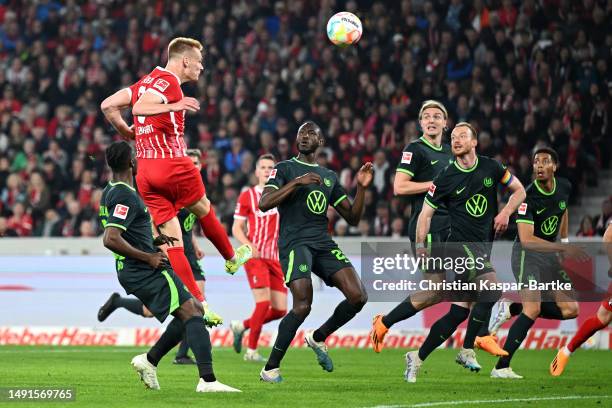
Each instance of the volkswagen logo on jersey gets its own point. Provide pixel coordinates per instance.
(476, 206)
(549, 226)
(316, 201)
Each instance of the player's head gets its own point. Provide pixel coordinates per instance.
(196, 157)
(188, 53)
(432, 118)
(263, 167)
(545, 162)
(309, 137)
(464, 139)
(120, 157)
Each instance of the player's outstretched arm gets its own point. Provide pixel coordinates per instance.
(403, 185)
(151, 104)
(516, 198)
(352, 212)
(112, 107)
(114, 241)
(534, 243)
(273, 196)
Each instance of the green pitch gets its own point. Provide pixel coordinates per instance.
(103, 377)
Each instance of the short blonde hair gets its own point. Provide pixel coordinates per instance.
(179, 45)
(469, 126)
(194, 153)
(430, 103)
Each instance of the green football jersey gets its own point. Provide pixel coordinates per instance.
(122, 207)
(303, 215)
(470, 197)
(544, 210)
(423, 161)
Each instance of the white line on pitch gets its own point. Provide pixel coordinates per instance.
(447, 403)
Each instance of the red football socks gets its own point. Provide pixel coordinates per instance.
(256, 322)
(215, 232)
(180, 264)
(586, 330)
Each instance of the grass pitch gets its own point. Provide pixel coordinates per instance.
(102, 376)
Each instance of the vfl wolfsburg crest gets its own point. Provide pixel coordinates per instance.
(562, 205)
(476, 206)
(488, 182)
(316, 201)
(189, 221)
(303, 268)
(549, 226)
(327, 182)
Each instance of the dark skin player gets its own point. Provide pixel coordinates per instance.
(346, 279)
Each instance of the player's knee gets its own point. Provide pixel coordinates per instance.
(358, 300)
(301, 310)
(604, 315)
(146, 312)
(458, 314)
(570, 310)
(188, 310)
(532, 309)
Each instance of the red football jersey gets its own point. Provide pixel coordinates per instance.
(262, 227)
(159, 136)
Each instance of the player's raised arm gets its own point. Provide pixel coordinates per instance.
(516, 198)
(153, 103)
(352, 212)
(111, 108)
(403, 185)
(114, 241)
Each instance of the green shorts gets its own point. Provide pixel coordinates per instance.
(435, 244)
(162, 294)
(471, 259)
(541, 267)
(323, 261)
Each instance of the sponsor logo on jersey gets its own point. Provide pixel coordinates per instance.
(433, 162)
(144, 130)
(460, 190)
(316, 202)
(522, 210)
(161, 85)
(549, 226)
(476, 206)
(541, 210)
(121, 211)
(406, 157)
(431, 190)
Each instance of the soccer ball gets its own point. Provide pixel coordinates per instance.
(344, 29)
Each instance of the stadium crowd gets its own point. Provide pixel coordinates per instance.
(525, 73)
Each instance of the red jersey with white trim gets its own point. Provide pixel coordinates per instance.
(262, 227)
(159, 136)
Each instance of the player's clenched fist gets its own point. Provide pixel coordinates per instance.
(365, 175)
(308, 178)
(187, 103)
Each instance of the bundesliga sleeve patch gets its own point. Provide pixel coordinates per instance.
(406, 157)
(431, 190)
(161, 85)
(272, 174)
(121, 211)
(522, 210)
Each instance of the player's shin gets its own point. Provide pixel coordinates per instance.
(442, 329)
(344, 312)
(168, 340)
(286, 332)
(479, 317)
(516, 335)
(401, 312)
(256, 322)
(199, 341)
(215, 232)
(180, 264)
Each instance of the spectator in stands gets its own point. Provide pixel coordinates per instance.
(20, 221)
(586, 227)
(5, 231)
(526, 73)
(51, 226)
(600, 222)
